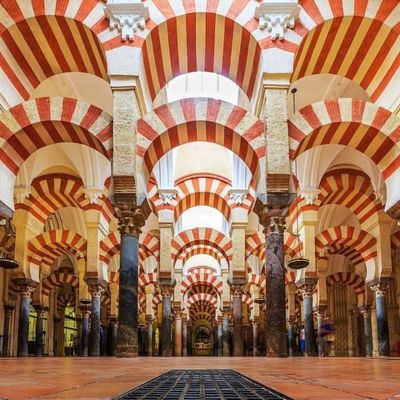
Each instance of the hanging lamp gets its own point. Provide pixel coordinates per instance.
(298, 262)
(6, 260)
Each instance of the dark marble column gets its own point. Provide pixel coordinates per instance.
(291, 339)
(39, 343)
(84, 342)
(166, 349)
(308, 289)
(256, 327)
(130, 220)
(321, 315)
(245, 330)
(178, 334)
(184, 336)
(95, 290)
(189, 338)
(26, 287)
(366, 313)
(225, 333)
(273, 220)
(380, 289)
(112, 335)
(220, 336)
(8, 309)
(149, 337)
(237, 320)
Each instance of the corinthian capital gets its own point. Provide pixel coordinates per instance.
(130, 219)
(273, 219)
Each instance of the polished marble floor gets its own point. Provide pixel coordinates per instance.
(103, 378)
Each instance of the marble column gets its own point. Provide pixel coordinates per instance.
(189, 338)
(256, 326)
(130, 220)
(184, 336)
(84, 342)
(94, 341)
(220, 336)
(237, 320)
(245, 340)
(308, 289)
(39, 343)
(380, 289)
(8, 309)
(291, 339)
(166, 348)
(357, 337)
(225, 333)
(149, 342)
(178, 334)
(273, 220)
(112, 335)
(321, 315)
(26, 287)
(366, 313)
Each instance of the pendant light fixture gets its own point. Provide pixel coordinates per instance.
(6, 259)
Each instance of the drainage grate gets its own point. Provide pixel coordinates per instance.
(211, 384)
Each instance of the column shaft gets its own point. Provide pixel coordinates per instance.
(225, 335)
(291, 338)
(178, 335)
(6, 330)
(220, 337)
(383, 326)
(85, 334)
(112, 336)
(309, 324)
(166, 349)
(94, 345)
(184, 338)
(237, 321)
(23, 327)
(39, 344)
(367, 331)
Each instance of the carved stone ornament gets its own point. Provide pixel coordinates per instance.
(93, 194)
(128, 16)
(25, 286)
(21, 193)
(167, 196)
(130, 219)
(238, 196)
(380, 287)
(308, 286)
(310, 195)
(237, 290)
(277, 16)
(273, 219)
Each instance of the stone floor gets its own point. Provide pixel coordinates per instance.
(102, 378)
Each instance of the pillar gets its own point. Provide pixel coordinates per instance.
(380, 289)
(166, 348)
(84, 341)
(366, 313)
(112, 335)
(321, 315)
(184, 336)
(149, 336)
(26, 287)
(225, 333)
(220, 335)
(178, 334)
(39, 344)
(130, 221)
(8, 309)
(256, 326)
(291, 338)
(272, 218)
(237, 320)
(95, 290)
(308, 289)
(189, 338)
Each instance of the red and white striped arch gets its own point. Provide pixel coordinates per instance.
(351, 189)
(157, 299)
(113, 276)
(358, 245)
(149, 245)
(355, 281)
(206, 250)
(246, 299)
(254, 244)
(395, 241)
(202, 297)
(59, 278)
(37, 123)
(39, 39)
(200, 119)
(66, 300)
(368, 128)
(255, 279)
(110, 247)
(147, 279)
(51, 192)
(201, 236)
(203, 278)
(293, 245)
(48, 246)
(201, 269)
(214, 37)
(358, 40)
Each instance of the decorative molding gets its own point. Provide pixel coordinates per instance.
(310, 195)
(380, 195)
(128, 16)
(167, 196)
(238, 196)
(93, 194)
(21, 193)
(277, 16)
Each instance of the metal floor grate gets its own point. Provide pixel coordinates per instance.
(208, 384)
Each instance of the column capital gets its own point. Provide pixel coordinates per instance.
(307, 286)
(321, 311)
(40, 310)
(273, 218)
(130, 219)
(364, 310)
(380, 286)
(237, 290)
(25, 286)
(167, 289)
(96, 286)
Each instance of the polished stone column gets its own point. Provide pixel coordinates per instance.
(130, 220)
(26, 287)
(276, 340)
(237, 320)
(380, 289)
(225, 333)
(291, 339)
(85, 312)
(321, 315)
(184, 336)
(166, 349)
(189, 338)
(39, 344)
(220, 336)
(256, 327)
(8, 309)
(94, 341)
(308, 289)
(246, 349)
(178, 334)
(149, 342)
(112, 332)
(366, 313)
